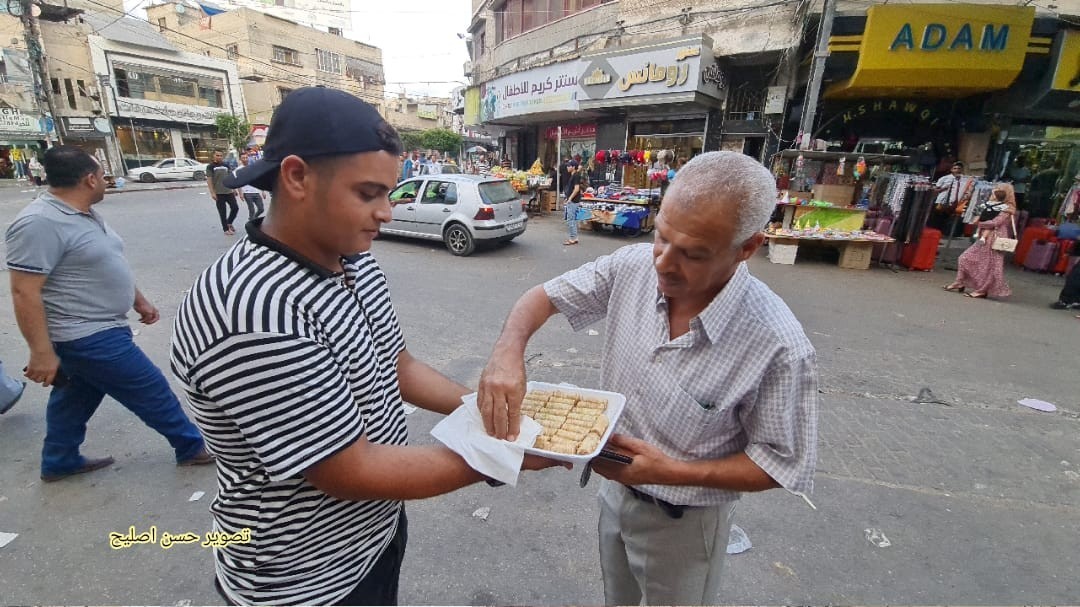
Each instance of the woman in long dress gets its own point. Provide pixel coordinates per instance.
(981, 269)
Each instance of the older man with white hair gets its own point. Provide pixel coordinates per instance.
(720, 380)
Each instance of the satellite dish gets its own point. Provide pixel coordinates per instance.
(180, 9)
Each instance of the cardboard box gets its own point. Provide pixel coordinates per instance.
(840, 195)
(856, 255)
(783, 253)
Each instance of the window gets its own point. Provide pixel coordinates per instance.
(286, 55)
(327, 61)
(517, 16)
(81, 86)
(55, 86)
(283, 93)
(70, 94)
(211, 96)
(440, 192)
(407, 192)
(161, 24)
(335, 31)
(479, 43)
(168, 164)
(175, 85)
(232, 51)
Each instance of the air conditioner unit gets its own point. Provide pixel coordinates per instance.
(468, 69)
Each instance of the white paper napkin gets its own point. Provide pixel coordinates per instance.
(463, 433)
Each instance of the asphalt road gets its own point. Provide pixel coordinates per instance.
(977, 496)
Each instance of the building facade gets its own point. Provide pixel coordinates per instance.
(987, 80)
(25, 126)
(274, 56)
(162, 102)
(418, 113)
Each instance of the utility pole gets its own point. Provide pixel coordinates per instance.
(813, 89)
(37, 65)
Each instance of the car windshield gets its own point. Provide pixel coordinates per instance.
(495, 192)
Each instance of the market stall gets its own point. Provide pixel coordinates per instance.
(856, 247)
(627, 211)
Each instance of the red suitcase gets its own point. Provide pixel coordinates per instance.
(1028, 238)
(1041, 256)
(1065, 249)
(922, 255)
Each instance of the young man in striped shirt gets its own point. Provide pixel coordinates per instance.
(296, 370)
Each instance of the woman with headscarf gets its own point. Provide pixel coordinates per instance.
(981, 269)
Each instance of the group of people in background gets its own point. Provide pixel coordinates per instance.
(411, 163)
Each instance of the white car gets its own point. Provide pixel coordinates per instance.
(167, 169)
(460, 210)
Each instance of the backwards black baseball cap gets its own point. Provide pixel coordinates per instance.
(314, 122)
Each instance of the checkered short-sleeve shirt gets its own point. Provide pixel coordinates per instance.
(744, 378)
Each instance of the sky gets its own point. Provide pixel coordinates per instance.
(422, 53)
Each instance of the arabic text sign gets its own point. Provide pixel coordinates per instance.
(161, 110)
(550, 88)
(14, 121)
(669, 68)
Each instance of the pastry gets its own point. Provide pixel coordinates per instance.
(572, 424)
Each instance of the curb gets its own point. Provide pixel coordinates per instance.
(172, 187)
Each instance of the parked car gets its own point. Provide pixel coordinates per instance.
(167, 169)
(460, 210)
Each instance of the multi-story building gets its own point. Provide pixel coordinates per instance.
(25, 127)
(162, 101)
(275, 56)
(418, 113)
(982, 81)
(331, 16)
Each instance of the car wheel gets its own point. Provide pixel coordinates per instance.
(147, 178)
(458, 240)
(198, 175)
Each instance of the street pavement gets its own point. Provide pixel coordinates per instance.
(978, 497)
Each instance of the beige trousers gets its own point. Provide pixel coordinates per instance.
(649, 558)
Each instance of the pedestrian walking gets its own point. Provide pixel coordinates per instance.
(720, 379)
(406, 167)
(11, 390)
(252, 196)
(573, 199)
(223, 196)
(72, 288)
(37, 171)
(298, 383)
(981, 269)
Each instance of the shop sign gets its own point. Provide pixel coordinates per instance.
(427, 111)
(472, 105)
(937, 48)
(162, 110)
(572, 131)
(551, 88)
(1067, 71)
(678, 66)
(76, 124)
(12, 120)
(922, 112)
(258, 134)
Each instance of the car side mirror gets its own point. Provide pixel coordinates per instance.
(450, 198)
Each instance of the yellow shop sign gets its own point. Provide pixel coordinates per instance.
(939, 50)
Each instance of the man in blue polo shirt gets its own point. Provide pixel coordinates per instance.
(72, 288)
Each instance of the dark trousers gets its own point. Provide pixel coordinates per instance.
(254, 205)
(109, 362)
(227, 220)
(380, 585)
(1070, 294)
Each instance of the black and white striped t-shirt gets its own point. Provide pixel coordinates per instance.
(284, 364)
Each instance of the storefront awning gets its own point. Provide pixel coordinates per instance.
(938, 50)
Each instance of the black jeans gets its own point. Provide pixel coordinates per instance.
(254, 205)
(380, 585)
(227, 220)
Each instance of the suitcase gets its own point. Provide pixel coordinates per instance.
(923, 254)
(1065, 249)
(1030, 235)
(885, 253)
(1041, 256)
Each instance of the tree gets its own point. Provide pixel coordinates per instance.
(235, 129)
(412, 140)
(443, 140)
